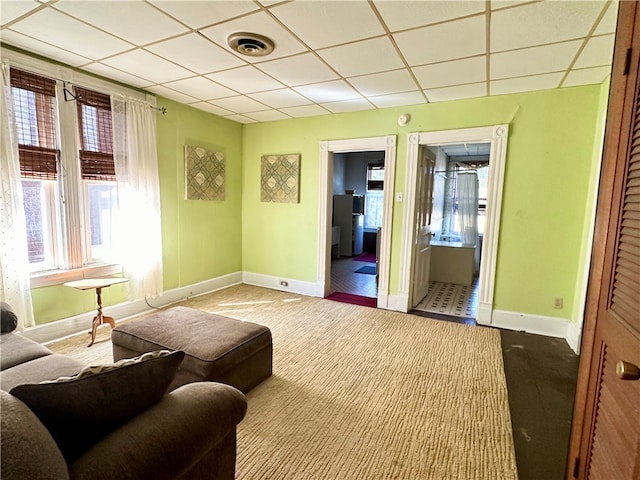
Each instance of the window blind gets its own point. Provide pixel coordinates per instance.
(375, 176)
(35, 115)
(96, 135)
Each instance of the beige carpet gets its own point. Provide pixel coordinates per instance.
(360, 393)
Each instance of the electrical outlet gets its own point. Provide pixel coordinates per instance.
(558, 303)
(284, 283)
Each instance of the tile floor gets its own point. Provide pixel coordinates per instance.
(451, 299)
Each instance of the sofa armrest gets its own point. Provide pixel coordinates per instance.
(169, 438)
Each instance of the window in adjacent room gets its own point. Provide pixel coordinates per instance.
(374, 196)
(451, 221)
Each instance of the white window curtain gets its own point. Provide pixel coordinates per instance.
(15, 283)
(138, 236)
(468, 207)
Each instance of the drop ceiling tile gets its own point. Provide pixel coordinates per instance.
(284, 97)
(586, 76)
(384, 83)
(443, 42)
(328, 91)
(147, 65)
(199, 14)
(267, 116)
(239, 104)
(400, 15)
(115, 74)
(136, 22)
(200, 88)
(542, 23)
(498, 4)
(13, 9)
(532, 61)
(305, 111)
(60, 30)
(298, 70)
(609, 21)
(597, 52)
(348, 106)
(286, 44)
(172, 94)
(207, 107)
(457, 72)
(240, 119)
(360, 58)
(323, 24)
(525, 84)
(398, 99)
(245, 80)
(459, 92)
(31, 44)
(196, 53)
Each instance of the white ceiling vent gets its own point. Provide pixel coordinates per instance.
(250, 44)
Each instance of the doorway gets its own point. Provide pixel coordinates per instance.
(496, 137)
(384, 148)
(457, 224)
(358, 205)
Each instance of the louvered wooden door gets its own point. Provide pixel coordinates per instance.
(609, 430)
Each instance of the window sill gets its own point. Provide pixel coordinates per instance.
(57, 277)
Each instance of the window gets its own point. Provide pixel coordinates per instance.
(97, 169)
(52, 170)
(34, 102)
(451, 221)
(374, 197)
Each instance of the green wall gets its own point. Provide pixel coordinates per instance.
(551, 169)
(200, 239)
(548, 183)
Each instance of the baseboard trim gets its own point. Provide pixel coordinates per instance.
(537, 324)
(310, 289)
(574, 337)
(483, 313)
(82, 322)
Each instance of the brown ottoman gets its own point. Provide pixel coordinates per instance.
(218, 349)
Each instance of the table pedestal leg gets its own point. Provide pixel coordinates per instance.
(100, 319)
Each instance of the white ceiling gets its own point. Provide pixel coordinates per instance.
(331, 56)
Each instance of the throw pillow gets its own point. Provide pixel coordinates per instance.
(8, 318)
(78, 411)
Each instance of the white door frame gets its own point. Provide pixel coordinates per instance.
(496, 135)
(325, 207)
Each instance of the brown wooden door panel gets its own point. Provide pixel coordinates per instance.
(605, 440)
(616, 423)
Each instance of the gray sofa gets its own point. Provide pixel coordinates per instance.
(189, 433)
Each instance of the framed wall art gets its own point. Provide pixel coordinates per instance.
(279, 178)
(204, 172)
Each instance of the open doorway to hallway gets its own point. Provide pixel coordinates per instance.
(496, 136)
(327, 236)
(459, 207)
(358, 206)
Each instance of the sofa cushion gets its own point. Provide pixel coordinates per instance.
(44, 368)
(17, 349)
(28, 451)
(80, 410)
(8, 318)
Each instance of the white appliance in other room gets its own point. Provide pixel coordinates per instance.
(348, 214)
